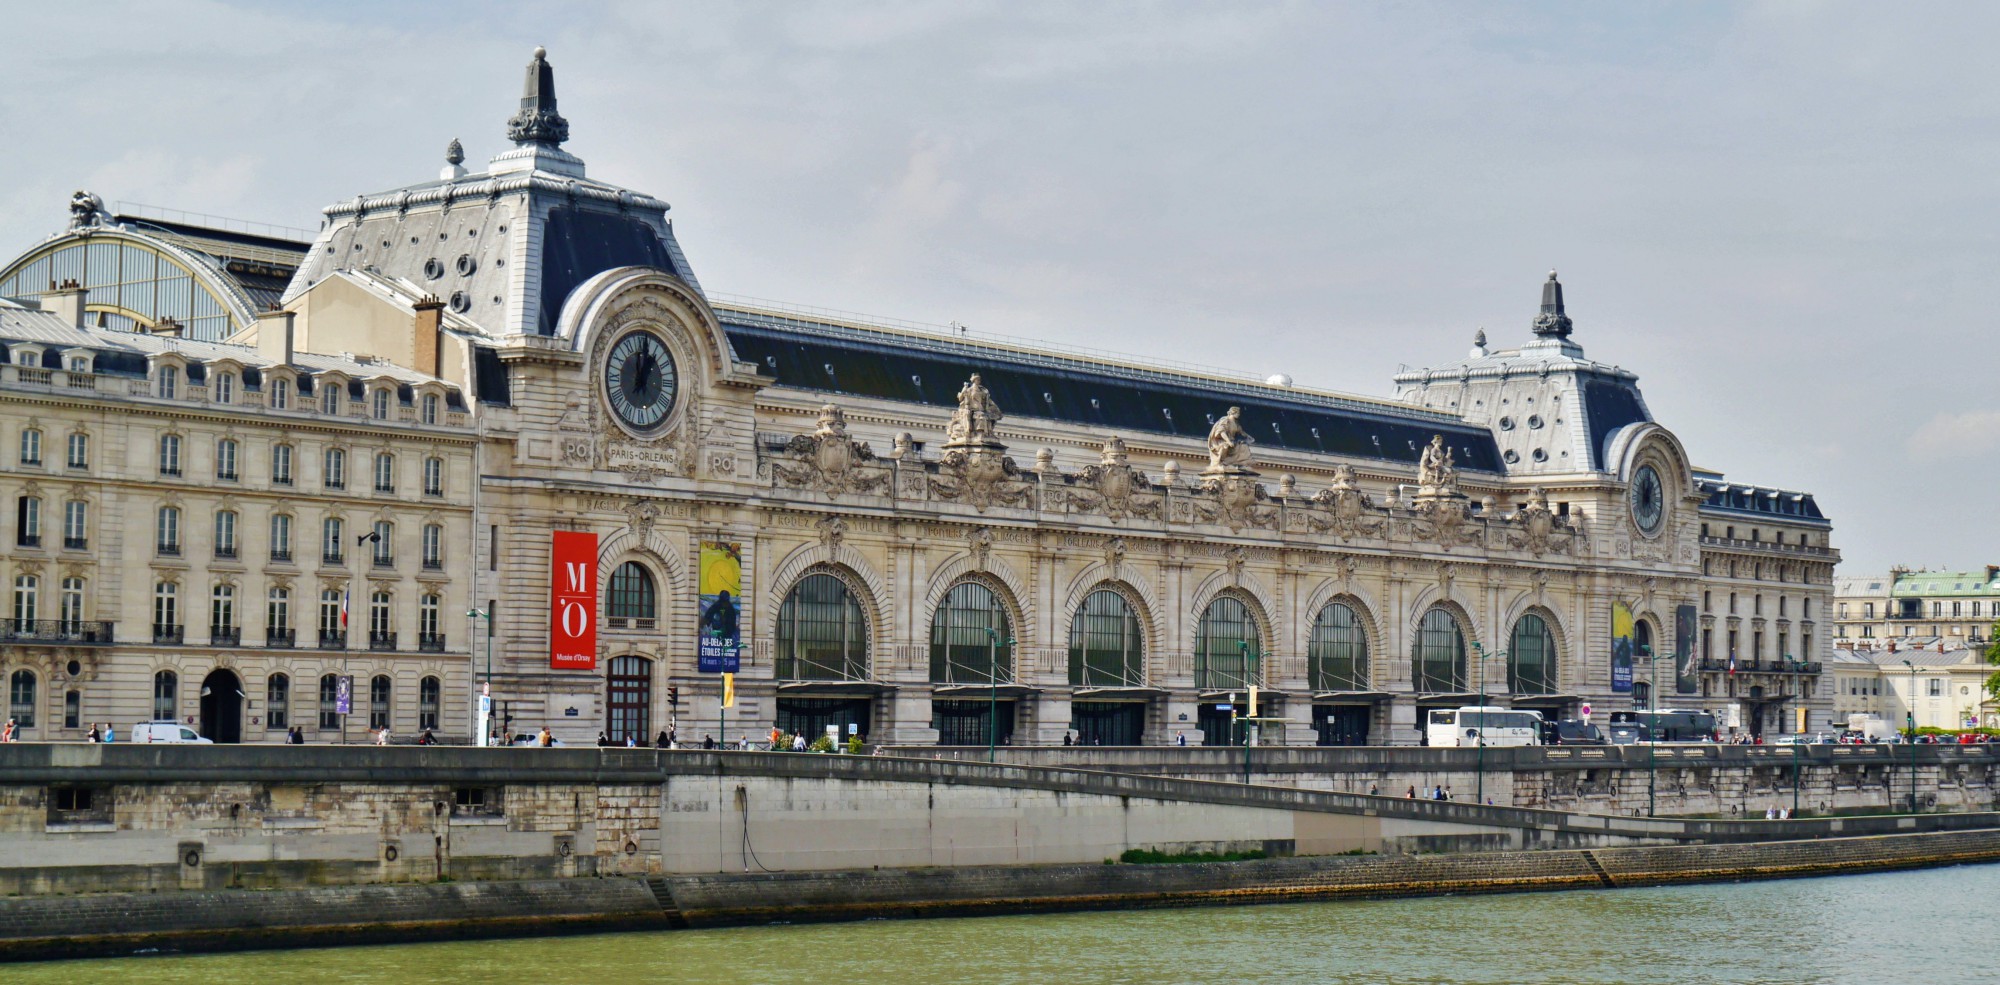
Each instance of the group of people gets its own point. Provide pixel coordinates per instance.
(1439, 792)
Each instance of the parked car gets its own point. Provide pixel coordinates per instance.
(529, 739)
(167, 732)
(1573, 732)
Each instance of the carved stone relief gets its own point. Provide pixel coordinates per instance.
(830, 461)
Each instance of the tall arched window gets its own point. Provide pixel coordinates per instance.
(1531, 657)
(21, 699)
(378, 702)
(329, 702)
(1438, 655)
(278, 702)
(1227, 648)
(430, 697)
(971, 637)
(633, 601)
(1106, 648)
(1337, 655)
(822, 634)
(166, 696)
(629, 699)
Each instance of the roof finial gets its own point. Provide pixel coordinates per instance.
(1552, 323)
(454, 152)
(538, 122)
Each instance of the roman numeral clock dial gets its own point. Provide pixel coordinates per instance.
(640, 381)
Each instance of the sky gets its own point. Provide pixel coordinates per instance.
(1782, 216)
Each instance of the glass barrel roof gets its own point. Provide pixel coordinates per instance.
(132, 284)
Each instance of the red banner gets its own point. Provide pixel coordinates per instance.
(573, 601)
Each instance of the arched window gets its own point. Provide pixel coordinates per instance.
(430, 695)
(1337, 655)
(1228, 650)
(430, 408)
(632, 599)
(1105, 644)
(21, 699)
(31, 447)
(1531, 657)
(329, 702)
(170, 382)
(378, 702)
(379, 403)
(329, 397)
(166, 696)
(281, 393)
(1438, 654)
(822, 634)
(972, 640)
(630, 699)
(225, 388)
(278, 703)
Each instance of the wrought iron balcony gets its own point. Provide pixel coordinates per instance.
(228, 475)
(168, 550)
(225, 553)
(332, 640)
(430, 642)
(225, 636)
(28, 540)
(332, 557)
(281, 557)
(168, 635)
(385, 561)
(76, 543)
(67, 631)
(281, 638)
(381, 641)
(433, 564)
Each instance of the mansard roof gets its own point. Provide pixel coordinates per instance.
(1745, 499)
(837, 357)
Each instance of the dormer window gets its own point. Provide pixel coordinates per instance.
(281, 393)
(79, 364)
(430, 408)
(225, 388)
(378, 406)
(169, 381)
(329, 398)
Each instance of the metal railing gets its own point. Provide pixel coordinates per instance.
(225, 636)
(281, 638)
(381, 640)
(168, 635)
(332, 640)
(430, 642)
(92, 632)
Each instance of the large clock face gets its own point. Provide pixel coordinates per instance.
(1649, 500)
(640, 381)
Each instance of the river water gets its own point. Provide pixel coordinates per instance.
(1928, 926)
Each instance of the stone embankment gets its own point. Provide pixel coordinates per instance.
(205, 920)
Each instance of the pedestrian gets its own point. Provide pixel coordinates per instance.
(382, 737)
(707, 741)
(1180, 738)
(631, 740)
(427, 739)
(743, 743)
(297, 736)
(1413, 792)
(1373, 790)
(673, 736)
(777, 738)
(660, 741)
(1066, 738)
(110, 733)
(94, 734)
(7, 732)
(602, 739)
(1437, 792)
(545, 739)
(799, 742)
(1447, 793)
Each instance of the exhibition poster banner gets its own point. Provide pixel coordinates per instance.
(1621, 648)
(573, 600)
(1688, 681)
(720, 644)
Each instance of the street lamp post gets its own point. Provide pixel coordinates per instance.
(1910, 723)
(1652, 733)
(1243, 648)
(486, 689)
(993, 690)
(1479, 758)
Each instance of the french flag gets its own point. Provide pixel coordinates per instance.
(343, 624)
(343, 621)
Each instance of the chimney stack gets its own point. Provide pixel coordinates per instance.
(167, 328)
(274, 337)
(427, 330)
(66, 299)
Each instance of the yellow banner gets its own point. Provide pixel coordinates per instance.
(729, 690)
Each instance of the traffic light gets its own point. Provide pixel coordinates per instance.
(674, 695)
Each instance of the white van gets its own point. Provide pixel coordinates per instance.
(166, 732)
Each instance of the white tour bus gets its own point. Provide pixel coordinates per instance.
(1500, 726)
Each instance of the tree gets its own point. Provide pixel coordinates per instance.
(1993, 657)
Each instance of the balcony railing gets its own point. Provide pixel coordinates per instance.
(1763, 666)
(281, 557)
(91, 633)
(385, 561)
(225, 636)
(430, 642)
(76, 543)
(381, 641)
(168, 550)
(281, 480)
(433, 564)
(226, 475)
(332, 640)
(28, 540)
(225, 553)
(332, 557)
(281, 638)
(168, 635)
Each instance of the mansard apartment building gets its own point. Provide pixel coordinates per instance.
(941, 538)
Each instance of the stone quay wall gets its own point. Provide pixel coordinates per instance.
(202, 920)
(1700, 780)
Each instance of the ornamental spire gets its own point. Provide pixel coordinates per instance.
(538, 122)
(1552, 323)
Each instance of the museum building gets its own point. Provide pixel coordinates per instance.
(941, 538)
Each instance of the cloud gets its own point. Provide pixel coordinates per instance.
(1956, 436)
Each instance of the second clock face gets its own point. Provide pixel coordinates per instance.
(640, 380)
(1649, 500)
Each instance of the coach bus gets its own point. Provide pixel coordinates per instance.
(1497, 726)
